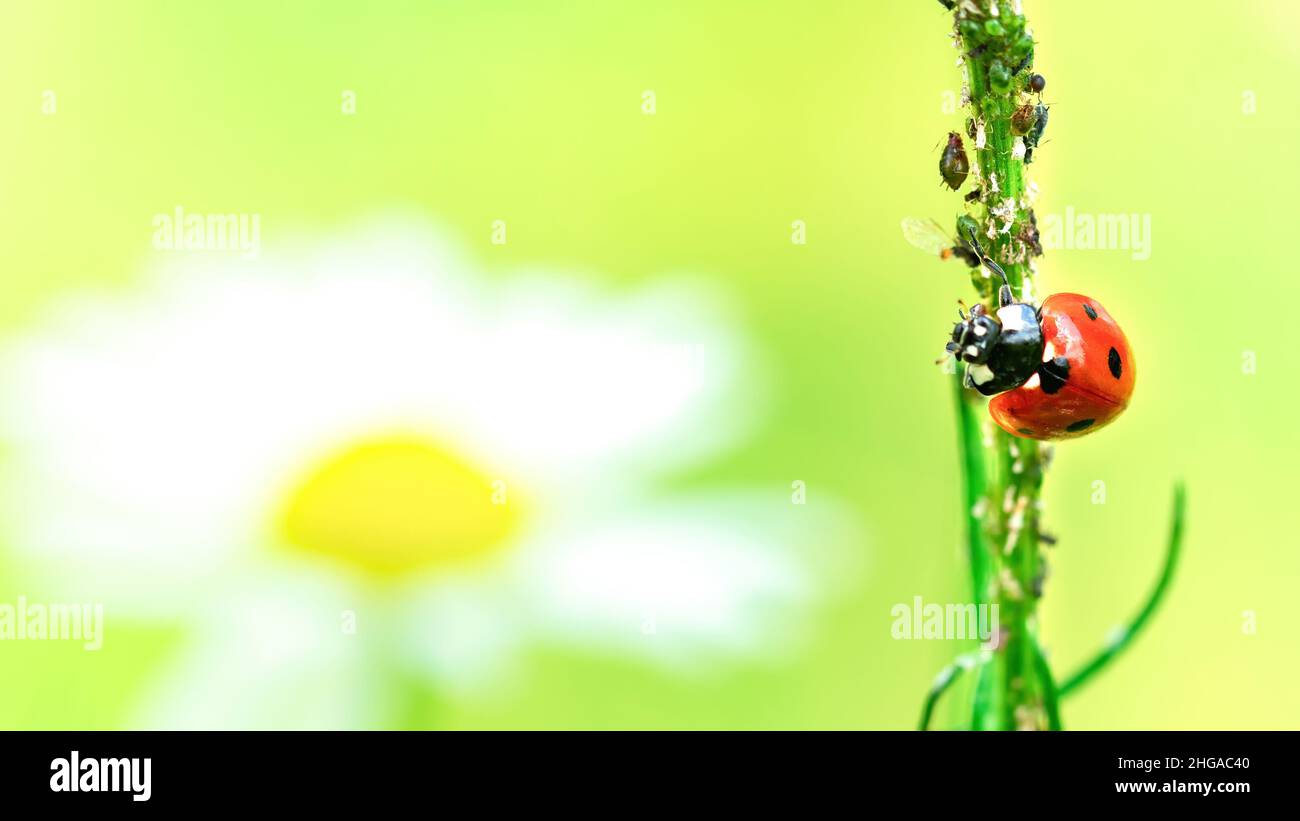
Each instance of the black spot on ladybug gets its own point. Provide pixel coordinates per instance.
(1054, 374)
(1082, 424)
(1090, 311)
(1116, 367)
(1024, 431)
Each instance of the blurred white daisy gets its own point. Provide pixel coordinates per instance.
(354, 460)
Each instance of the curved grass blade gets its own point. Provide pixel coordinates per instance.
(945, 679)
(1124, 636)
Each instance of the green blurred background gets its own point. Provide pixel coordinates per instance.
(831, 113)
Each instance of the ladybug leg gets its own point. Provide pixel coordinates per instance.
(1005, 297)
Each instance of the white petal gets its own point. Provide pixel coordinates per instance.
(576, 381)
(273, 657)
(681, 582)
(464, 632)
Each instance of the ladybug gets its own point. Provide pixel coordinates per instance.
(1058, 372)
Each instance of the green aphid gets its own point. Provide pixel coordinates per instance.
(999, 77)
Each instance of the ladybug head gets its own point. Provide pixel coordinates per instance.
(974, 337)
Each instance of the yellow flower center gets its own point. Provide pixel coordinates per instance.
(397, 504)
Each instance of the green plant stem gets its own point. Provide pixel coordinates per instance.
(1003, 474)
(973, 490)
(1011, 467)
(1123, 636)
(986, 707)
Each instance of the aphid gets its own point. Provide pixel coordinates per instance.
(930, 237)
(1037, 83)
(1029, 235)
(1036, 132)
(953, 165)
(999, 77)
(973, 195)
(970, 127)
(948, 4)
(1040, 124)
(1023, 47)
(1024, 62)
(1022, 120)
(967, 226)
(1060, 372)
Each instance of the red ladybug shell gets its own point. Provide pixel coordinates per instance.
(1086, 379)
